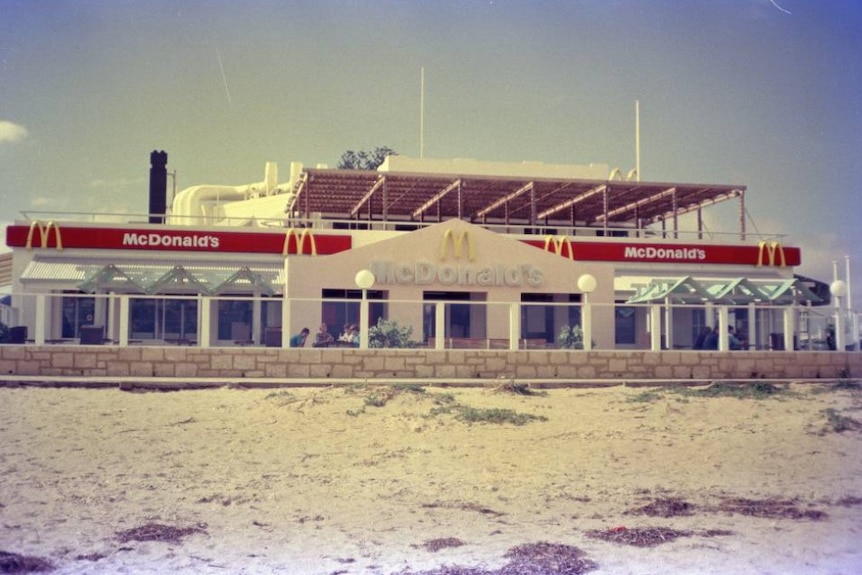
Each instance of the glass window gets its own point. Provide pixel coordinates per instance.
(163, 318)
(235, 319)
(77, 311)
(463, 319)
(345, 308)
(625, 325)
(543, 315)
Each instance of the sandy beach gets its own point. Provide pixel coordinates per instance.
(408, 479)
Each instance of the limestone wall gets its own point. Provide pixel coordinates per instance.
(270, 363)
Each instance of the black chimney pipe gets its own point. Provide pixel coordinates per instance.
(158, 187)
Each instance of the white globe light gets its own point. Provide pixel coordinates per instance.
(364, 279)
(587, 283)
(838, 288)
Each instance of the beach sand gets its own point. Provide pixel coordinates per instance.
(386, 480)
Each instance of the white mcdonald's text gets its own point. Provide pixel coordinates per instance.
(170, 241)
(680, 254)
(425, 273)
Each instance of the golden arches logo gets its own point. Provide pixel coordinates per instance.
(458, 241)
(617, 174)
(300, 241)
(770, 250)
(44, 234)
(559, 243)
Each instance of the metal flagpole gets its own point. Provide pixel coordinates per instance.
(638, 138)
(422, 112)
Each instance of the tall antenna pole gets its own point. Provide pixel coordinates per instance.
(422, 113)
(638, 138)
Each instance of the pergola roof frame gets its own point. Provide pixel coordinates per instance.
(421, 196)
(437, 197)
(733, 292)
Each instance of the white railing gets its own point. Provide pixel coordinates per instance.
(230, 321)
(540, 230)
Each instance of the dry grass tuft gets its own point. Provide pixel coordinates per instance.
(550, 558)
(15, 563)
(528, 559)
(639, 536)
(158, 532)
(769, 508)
(668, 507)
(434, 545)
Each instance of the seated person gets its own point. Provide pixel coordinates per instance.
(701, 337)
(345, 335)
(733, 341)
(711, 339)
(323, 338)
(298, 340)
(354, 335)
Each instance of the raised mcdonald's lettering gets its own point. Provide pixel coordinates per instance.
(770, 250)
(427, 273)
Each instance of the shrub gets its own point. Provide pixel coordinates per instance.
(756, 390)
(496, 415)
(389, 334)
(571, 337)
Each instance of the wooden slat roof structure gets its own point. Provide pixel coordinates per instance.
(400, 196)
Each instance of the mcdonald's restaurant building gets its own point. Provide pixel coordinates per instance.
(514, 258)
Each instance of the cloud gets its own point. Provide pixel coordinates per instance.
(11, 132)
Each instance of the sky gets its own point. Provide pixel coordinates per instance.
(760, 93)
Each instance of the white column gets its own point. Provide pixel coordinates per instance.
(668, 324)
(752, 326)
(124, 320)
(364, 279)
(439, 325)
(514, 325)
(205, 315)
(838, 289)
(363, 320)
(256, 315)
(723, 324)
(655, 327)
(789, 326)
(839, 325)
(587, 284)
(587, 323)
(709, 312)
(110, 310)
(39, 336)
(100, 311)
(285, 320)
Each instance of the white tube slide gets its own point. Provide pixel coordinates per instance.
(195, 205)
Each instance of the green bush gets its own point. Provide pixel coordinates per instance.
(755, 390)
(389, 334)
(496, 415)
(571, 337)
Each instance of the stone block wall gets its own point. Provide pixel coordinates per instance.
(142, 362)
